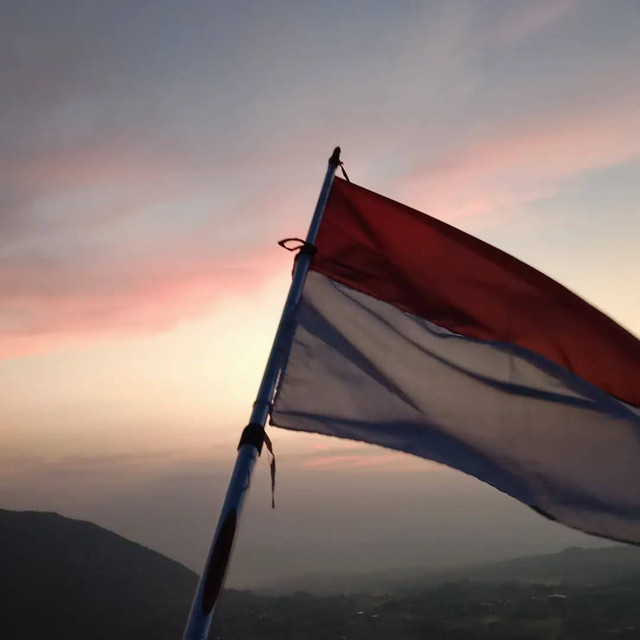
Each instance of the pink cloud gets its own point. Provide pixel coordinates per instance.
(101, 240)
(526, 161)
(40, 312)
(344, 461)
(84, 254)
(365, 457)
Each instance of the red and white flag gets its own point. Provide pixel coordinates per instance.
(413, 335)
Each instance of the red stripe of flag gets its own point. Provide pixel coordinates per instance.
(426, 267)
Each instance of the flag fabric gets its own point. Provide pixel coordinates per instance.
(415, 336)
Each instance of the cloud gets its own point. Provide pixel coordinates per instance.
(518, 21)
(354, 456)
(50, 302)
(105, 240)
(349, 461)
(148, 160)
(93, 245)
(528, 160)
(105, 467)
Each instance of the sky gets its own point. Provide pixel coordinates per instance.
(151, 156)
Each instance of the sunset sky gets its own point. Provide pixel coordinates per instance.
(153, 153)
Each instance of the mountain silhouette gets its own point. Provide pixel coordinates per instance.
(63, 578)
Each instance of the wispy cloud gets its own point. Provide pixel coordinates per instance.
(520, 20)
(102, 240)
(353, 456)
(528, 160)
(148, 163)
(41, 306)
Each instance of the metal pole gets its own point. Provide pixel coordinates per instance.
(251, 441)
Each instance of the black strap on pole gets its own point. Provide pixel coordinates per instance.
(255, 435)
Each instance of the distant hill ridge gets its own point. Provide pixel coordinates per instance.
(574, 565)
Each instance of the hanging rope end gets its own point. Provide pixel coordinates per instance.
(272, 467)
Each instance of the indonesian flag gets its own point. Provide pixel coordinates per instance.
(415, 336)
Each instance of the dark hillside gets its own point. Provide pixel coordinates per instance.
(62, 578)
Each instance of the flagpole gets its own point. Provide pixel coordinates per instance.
(252, 439)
